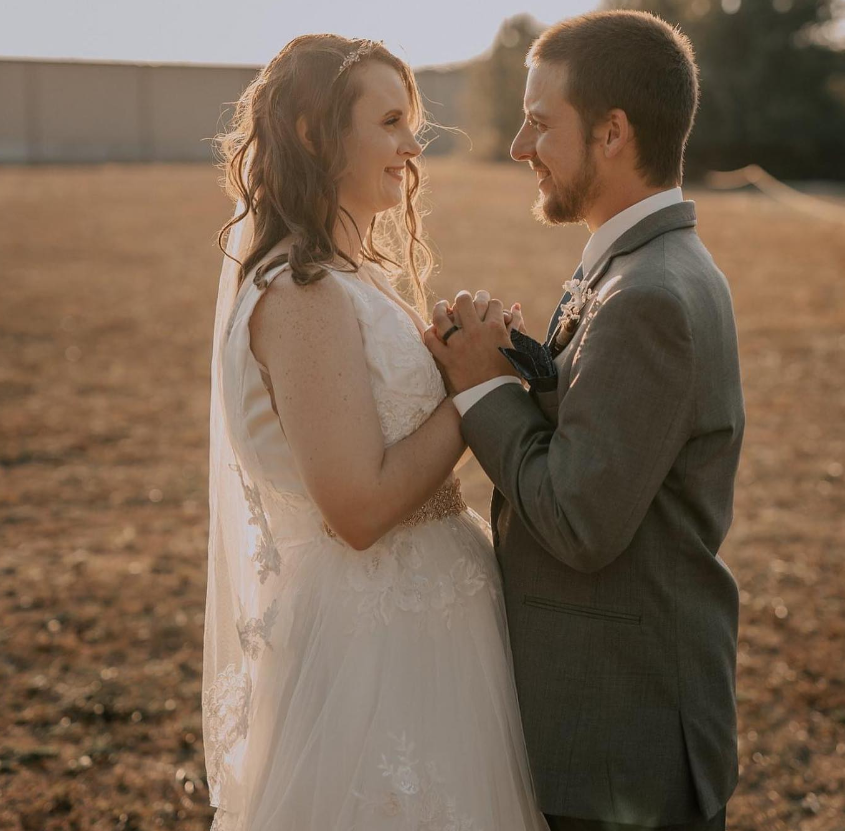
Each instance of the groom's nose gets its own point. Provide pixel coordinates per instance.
(522, 149)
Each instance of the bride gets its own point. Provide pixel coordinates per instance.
(357, 673)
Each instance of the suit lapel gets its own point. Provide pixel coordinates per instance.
(672, 218)
(578, 275)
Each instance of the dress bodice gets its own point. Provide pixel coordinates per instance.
(406, 384)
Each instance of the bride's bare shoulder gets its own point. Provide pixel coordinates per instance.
(290, 313)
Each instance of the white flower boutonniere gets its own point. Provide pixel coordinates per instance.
(571, 310)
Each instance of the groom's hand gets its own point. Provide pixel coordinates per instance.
(471, 354)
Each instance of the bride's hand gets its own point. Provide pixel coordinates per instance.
(513, 319)
(481, 301)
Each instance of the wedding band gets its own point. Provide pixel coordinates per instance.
(448, 334)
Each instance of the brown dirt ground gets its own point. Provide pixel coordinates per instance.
(105, 338)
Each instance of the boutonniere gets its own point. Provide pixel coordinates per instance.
(571, 311)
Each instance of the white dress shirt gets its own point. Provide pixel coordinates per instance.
(598, 244)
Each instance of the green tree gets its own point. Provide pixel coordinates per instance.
(772, 88)
(496, 86)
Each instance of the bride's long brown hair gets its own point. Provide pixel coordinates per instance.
(292, 192)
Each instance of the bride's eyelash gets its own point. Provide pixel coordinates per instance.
(393, 120)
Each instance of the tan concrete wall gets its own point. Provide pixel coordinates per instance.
(55, 112)
(86, 113)
(444, 90)
(15, 139)
(77, 111)
(189, 105)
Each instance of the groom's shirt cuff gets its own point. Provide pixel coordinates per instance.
(464, 400)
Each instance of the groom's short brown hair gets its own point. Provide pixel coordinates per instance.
(636, 62)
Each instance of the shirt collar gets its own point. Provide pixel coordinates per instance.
(608, 233)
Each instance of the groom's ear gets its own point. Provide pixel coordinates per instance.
(615, 133)
(304, 136)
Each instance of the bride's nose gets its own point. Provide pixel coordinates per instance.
(410, 148)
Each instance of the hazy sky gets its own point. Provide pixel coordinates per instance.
(252, 31)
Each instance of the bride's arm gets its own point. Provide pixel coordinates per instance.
(309, 340)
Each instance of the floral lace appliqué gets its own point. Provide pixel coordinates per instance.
(226, 710)
(390, 578)
(256, 631)
(466, 578)
(401, 412)
(266, 556)
(225, 821)
(414, 386)
(399, 416)
(415, 793)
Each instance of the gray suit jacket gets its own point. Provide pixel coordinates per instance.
(612, 498)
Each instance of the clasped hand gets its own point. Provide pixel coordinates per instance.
(471, 355)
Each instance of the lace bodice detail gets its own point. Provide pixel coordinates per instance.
(406, 383)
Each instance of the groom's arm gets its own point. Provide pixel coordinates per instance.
(463, 401)
(583, 487)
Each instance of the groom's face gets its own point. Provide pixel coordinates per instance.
(552, 141)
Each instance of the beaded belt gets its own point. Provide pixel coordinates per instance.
(446, 501)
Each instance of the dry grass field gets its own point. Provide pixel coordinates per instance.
(108, 278)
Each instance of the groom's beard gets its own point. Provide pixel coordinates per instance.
(570, 203)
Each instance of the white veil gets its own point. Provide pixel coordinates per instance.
(226, 685)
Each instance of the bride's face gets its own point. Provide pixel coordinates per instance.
(381, 140)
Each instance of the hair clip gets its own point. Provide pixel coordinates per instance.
(353, 57)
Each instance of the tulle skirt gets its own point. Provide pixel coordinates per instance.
(385, 700)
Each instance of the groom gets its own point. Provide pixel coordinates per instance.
(614, 470)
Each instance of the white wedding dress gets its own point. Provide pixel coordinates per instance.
(373, 690)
